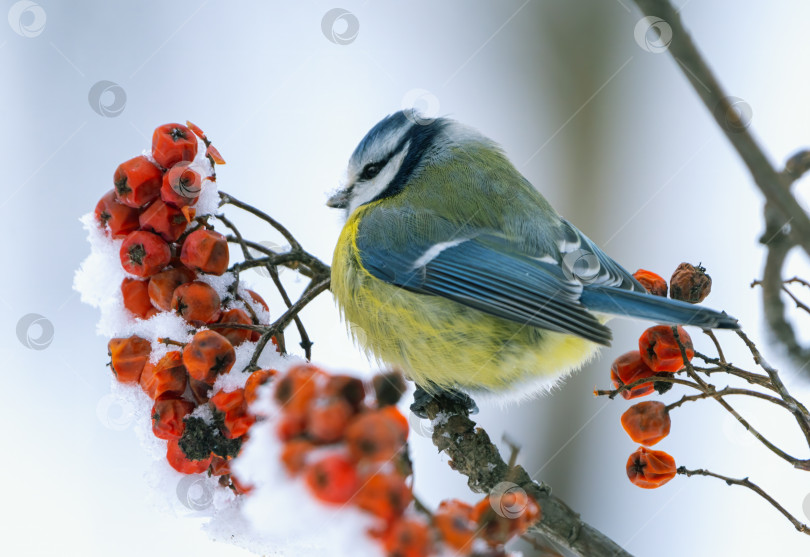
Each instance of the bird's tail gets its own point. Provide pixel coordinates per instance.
(630, 303)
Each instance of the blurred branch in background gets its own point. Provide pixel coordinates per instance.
(787, 224)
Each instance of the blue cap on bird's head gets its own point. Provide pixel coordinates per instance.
(386, 158)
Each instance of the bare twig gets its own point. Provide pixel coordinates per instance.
(745, 482)
(475, 456)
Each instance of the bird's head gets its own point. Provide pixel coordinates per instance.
(390, 155)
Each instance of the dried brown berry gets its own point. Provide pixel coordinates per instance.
(690, 284)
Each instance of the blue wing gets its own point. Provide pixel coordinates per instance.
(483, 271)
(554, 284)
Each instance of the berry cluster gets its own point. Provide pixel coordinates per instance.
(343, 438)
(350, 448)
(662, 351)
(165, 250)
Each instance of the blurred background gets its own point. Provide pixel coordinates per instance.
(597, 117)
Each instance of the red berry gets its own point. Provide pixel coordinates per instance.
(205, 251)
(164, 220)
(167, 376)
(234, 407)
(167, 416)
(385, 495)
(647, 422)
(628, 368)
(119, 218)
(163, 284)
(453, 520)
(143, 254)
(650, 469)
(236, 336)
(172, 143)
(136, 297)
(137, 182)
(332, 479)
(654, 284)
(409, 537)
(375, 436)
(256, 380)
(128, 357)
(196, 302)
(180, 462)
(327, 419)
(660, 350)
(181, 185)
(208, 355)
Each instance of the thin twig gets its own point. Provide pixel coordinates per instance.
(745, 482)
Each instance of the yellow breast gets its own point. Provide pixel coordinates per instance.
(434, 339)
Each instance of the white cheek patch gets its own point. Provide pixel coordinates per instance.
(366, 191)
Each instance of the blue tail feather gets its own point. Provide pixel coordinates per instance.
(630, 303)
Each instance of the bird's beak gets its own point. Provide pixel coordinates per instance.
(339, 200)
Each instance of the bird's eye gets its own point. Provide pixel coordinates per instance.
(370, 171)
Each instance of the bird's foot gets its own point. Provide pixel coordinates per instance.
(421, 399)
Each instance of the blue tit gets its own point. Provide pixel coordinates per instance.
(454, 268)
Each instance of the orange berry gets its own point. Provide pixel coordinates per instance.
(205, 251)
(239, 316)
(350, 389)
(143, 253)
(332, 479)
(294, 455)
(650, 469)
(660, 350)
(647, 422)
(237, 421)
(163, 285)
(129, 356)
(180, 462)
(654, 284)
(168, 376)
(374, 436)
(137, 182)
(501, 516)
(291, 426)
(172, 143)
(297, 388)
(258, 299)
(256, 380)
(327, 419)
(208, 355)
(628, 368)
(690, 284)
(385, 495)
(116, 217)
(453, 519)
(196, 302)
(409, 537)
(167, 416)
(136, 297)
(166, 221)
(181, 187)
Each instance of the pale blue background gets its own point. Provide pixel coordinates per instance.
(612, 134)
